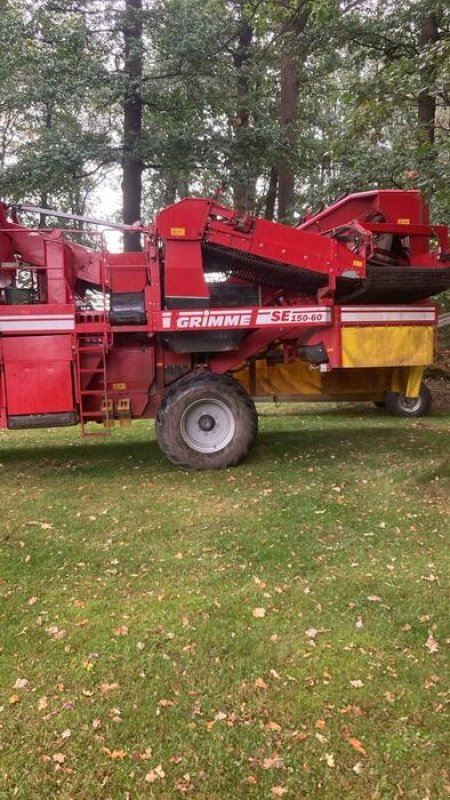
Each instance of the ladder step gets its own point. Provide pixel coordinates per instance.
(94, 415)
(91, 371)
(93, 350)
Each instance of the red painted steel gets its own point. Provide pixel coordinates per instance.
(103, 335)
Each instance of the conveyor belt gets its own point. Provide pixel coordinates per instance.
(383, 284)
(259, 270)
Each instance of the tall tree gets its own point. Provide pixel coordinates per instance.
(132, 163)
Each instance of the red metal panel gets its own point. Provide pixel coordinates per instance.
(127, 272)
(184, 271)
(44, 388)
(37, 348)
(38, 374)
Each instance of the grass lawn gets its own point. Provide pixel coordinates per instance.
(276, 630)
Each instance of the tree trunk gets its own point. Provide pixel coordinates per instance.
(243, 187)
(43, 198)
(271, 196)
(288, 119)
(289, 95)
(426, 101)
(132, 165)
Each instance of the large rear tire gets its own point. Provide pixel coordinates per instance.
(401, 406)
(206, 422)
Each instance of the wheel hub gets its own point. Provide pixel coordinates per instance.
(410, 404)
(207, 425)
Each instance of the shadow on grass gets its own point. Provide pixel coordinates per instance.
(352, 410)
(386, 443)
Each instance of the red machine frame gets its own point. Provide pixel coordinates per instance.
(61, 362)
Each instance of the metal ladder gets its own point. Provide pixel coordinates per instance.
(91, 369)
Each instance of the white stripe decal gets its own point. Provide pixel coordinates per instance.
(11, 326)
(388, 316)
(387, 308)
(33, 317)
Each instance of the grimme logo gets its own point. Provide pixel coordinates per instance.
(246, 318)
(207, 320)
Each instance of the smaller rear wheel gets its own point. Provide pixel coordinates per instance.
(401, 406)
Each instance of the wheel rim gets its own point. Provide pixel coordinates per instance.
(207, 426)
(409, 404)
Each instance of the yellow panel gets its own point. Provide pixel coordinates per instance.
(282, 379)
(387, 346)
(373, 380)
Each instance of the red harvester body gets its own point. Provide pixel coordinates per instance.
(335, 308)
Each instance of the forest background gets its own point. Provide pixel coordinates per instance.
(284, 104)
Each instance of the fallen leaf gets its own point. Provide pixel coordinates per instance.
(278, 791)
(66, 734)
(55, 632)
(156, 774)
(273, 762)
(118, 754)
(21, 683)
(32, 601)
(108, 687)
(14, 699)
(122, 630)
(329, 758)
(311, 633)
(166, 703)
(42, 703)
(275, 674)
(259, 612)
(260, 684)
(358, 768)
(356, 744)
(321, 724)
(184, 784)
(357, 684)
(59, 758)
(272, 726)
(300, 736)
(431, 644)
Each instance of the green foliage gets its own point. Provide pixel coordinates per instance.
(361, 71)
